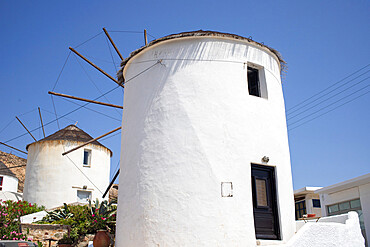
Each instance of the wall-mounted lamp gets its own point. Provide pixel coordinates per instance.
(265, 159)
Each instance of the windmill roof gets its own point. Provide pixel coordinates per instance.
(4, 170)
(70, 133)
(200, 33)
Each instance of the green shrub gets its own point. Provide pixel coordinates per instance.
(10, 213)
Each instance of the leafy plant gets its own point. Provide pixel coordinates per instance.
(104, 215)
(66, 240)
(58, 214)
(10, 213)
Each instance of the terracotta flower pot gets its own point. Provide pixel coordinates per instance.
(101, 239)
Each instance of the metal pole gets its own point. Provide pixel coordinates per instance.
(42, 125)
(26, 129)
(145, 37)
(12, 147)
(96, 67)
(92, 140)
(111, 41)
(111, 183)
(87, 100)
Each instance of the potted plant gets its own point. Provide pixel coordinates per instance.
(103, 215)
(66, 241)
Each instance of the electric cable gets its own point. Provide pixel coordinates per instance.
(350, 87)
(329, 111)
(323, 108)
(327, 88)
(332, 91)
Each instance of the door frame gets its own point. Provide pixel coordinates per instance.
(275, 208)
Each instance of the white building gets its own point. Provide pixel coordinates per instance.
(350, 195)
(8, 180)
(205, 156)
(307, 202)
(53, 179)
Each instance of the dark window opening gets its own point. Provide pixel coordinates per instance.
(254, 82)
(300, 209)
(316, 203)
(87, 157)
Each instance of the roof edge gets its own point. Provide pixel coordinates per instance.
(42, 141)
(347, 184)
(199, 33)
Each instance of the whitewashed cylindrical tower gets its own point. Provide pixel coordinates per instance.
(53, 179)
(205, 156)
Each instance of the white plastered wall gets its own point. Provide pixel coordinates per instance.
(9, 183)
(53, 179)
(362, 192)
(190, 125)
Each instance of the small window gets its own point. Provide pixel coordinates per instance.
(1, 183)
(87, 157)
(261, 192)
(316, 203)
(254, 82)
(355, 203)
(300, 209)
(83, 196)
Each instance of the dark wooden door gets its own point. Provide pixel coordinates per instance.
(266, 221)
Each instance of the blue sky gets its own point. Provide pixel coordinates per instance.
(321, 41)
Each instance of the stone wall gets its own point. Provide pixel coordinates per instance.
(41, 232)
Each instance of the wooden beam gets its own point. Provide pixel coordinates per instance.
(145, 37)
(86, 100)
(96, 67)
(111, 41)
(42, 124)
(111, 183)
(13, 147)
(92, 140)
(26, 129)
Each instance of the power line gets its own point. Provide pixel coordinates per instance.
(323, 108)
(332, 91)
(350, 87)
(329, 111)
(322, 91)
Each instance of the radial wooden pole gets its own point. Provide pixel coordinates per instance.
(12, 147)
(86, 100)
(96, 67)
(145, 37)
(42, 124)
(111, 183)
(26, 129)
(111, 41)
(92, 140)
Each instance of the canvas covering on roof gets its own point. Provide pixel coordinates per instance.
(199, 33)
(70, 133)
